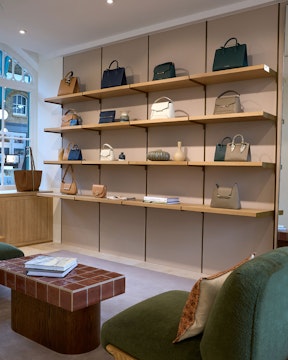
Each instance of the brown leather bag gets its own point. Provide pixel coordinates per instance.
(68, 188)
(68, 85)
(99, 191)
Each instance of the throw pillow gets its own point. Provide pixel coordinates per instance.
(200, 301)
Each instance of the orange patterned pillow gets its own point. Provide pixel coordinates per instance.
(200, 301)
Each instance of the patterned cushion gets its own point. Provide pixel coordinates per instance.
(200, 301)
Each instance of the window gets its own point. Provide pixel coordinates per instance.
(16, 89)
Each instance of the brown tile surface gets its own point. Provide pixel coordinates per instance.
(84, 286)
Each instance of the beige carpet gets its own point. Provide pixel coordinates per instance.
(140, 284)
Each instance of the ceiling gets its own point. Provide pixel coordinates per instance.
(60, 27)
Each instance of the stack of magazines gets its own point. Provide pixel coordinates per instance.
(45, 265)
(161, 200)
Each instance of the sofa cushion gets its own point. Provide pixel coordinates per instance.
(146, 330)
(199, 303)
(249, 318)
(8, 251)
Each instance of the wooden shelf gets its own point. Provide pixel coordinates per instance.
(108, 126)
(236, 117)
(255, 213)
(215, 77)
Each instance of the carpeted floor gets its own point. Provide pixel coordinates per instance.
(140, 284)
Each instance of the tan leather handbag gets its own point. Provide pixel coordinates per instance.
(69, 188)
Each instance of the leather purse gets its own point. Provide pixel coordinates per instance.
(226, 197)
(228, 104)
(162, 110)
(28, 180)
(99, 191)
(220, 149)
(229, 57)
(113, 77)
(71, 118)
(107, 116)
(164, 71)
(238, 151)
(107, 153)
(68, 188)
(68, 85)
(75, 153)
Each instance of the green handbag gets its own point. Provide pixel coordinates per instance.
(230, 57)
(220, 149)
(164, 71)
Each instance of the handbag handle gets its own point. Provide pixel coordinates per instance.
(68, 77)
(73, 111)
(108, 146)
(243, 144)
(112, 63)
(232, 38)
(32, 162)
(163, 97)
(228, 91)
(65, 173)
(226, 138)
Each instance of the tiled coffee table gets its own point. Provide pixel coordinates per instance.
(61, 314)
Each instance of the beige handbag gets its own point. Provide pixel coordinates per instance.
(99, 191)
(228, 104)
(107, 153)
(237, 151)
(71, 118)
(162, 110)
(68, 188)
(226, 197)
(68, 85)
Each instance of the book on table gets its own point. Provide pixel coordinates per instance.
(47, 262)
(50, 273)
(161, 200)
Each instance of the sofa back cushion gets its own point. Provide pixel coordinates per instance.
(249, 318)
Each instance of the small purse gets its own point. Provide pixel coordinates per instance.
(158, 155)
(75, 153)
(68, 188)
(237, 151)
(220, 149)
(113, 77)
(162, 110)
(230, 57)
(228, 104)
(71, 118)
(99, 191)
(107, 153)
(107, 116)
(164, 71)
(226, 197)
(68, 85)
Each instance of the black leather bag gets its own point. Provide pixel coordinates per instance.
(107, 116)
(230, 57)
(113, 77)
(164, 71)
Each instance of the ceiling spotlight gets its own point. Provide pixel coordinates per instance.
(110, 2)
(22, 31)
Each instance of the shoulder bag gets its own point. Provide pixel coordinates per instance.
(68, 188)
(99, 191)
(68, 85)
(113, 77)
(226, 197)
(107, 153)
(230, 57)
(164, 71)
(228, 104)
(237, 151)
(162, 110)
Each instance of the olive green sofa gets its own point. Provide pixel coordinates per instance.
(248, 320)
(8, 251)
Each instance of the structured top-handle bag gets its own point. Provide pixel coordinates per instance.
(113, 77)
(68, 85)
(162, 110)
(238, 151)
(228, 104)
(107, 153)
(226, 197)
(229, 57)
(220, 149)
(164, 71)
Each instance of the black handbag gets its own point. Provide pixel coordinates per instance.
(230, 57)
(107, 116)
(220, 149)
(113, 77)
(75, 153)
(164, 71)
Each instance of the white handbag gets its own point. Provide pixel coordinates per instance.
(162, 110)
(107, 153)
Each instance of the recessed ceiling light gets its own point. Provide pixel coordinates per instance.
(110, 2)
(22, 31)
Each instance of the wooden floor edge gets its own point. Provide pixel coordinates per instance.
(118, 354)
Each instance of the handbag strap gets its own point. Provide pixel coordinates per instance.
(235, 137)
(226, 92)
(69, 167)
(163, 97)
(243, 143)
(232, 38)
(116, 61)
(226, 138)
(71, 111)
(32, 162)
(108, 146)
(68, 77)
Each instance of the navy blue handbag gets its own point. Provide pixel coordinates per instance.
(229, 57)
(113, 77)
(75, 153)
(107, 116)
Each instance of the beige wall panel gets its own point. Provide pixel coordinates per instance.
(122, 231)
(131, 54)
(224, 246)
(258, 29)
(184, 46)
(174, 238)
(80, 223)
(86, 66)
